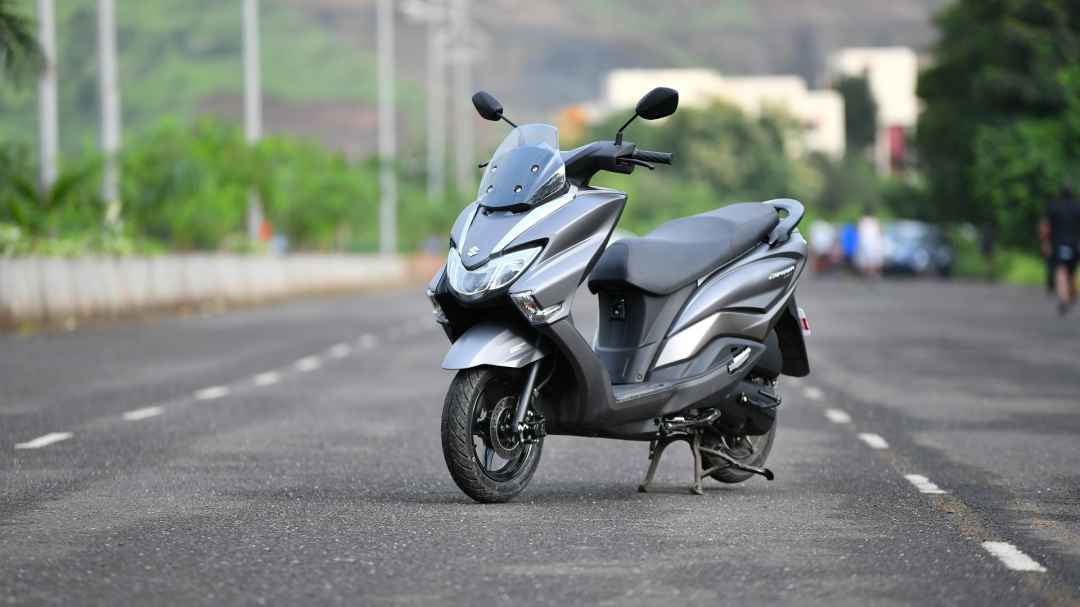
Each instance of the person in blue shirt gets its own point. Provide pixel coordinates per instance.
(849, 242)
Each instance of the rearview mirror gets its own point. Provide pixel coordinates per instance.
(657, 103)
(487, 106)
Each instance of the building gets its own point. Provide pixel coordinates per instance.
(892, 73)
(820, 111)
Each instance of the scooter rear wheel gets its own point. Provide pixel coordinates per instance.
(485, 458)
(752, 450)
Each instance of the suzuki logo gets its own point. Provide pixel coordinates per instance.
(472, 251)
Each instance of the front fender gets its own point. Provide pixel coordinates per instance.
(494, 344)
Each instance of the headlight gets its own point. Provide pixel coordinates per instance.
(493, 275)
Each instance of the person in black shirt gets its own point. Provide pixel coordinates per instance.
(1060, 234)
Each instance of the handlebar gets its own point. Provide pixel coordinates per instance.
(654, 157)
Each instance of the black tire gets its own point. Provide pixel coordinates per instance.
(762, 446)
(472, 393)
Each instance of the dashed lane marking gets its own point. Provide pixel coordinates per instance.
(267, 379)
(44, 441)
(1013, 557)
(813, 393)
(137, 414)
(874, 440)
(924, 485)
(837, 416)
(340, 350)
(308, 363)
(211, 393)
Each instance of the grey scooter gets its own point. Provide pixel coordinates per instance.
(697, 319)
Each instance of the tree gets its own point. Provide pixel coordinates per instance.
(993, 95)
(860, 113)
(19, 50)
(721, 155)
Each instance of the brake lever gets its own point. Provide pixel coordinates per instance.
(640, 163)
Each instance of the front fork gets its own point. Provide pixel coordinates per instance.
(529, 428)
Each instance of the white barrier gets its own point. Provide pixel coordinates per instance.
(44, 289)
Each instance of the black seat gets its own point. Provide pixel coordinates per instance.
(681, 251)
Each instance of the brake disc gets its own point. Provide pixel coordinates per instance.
(503, 439)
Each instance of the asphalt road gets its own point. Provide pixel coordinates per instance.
(185, 480)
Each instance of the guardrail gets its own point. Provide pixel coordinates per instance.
(50, 290)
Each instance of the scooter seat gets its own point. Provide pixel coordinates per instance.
(679, 252)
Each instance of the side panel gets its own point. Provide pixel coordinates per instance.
(742, 300)
(575, 235)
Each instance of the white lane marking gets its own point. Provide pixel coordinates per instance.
(137, 414)
(44, 441)
(923, 484)
(308, 363)
(813, 393)
(1012, 557)
(267, 379)
(211, 393)
(340, 350)
(837, 416)
(368, 340)
(873, 440)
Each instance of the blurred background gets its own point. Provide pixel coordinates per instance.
(188, 155)
(251, 126)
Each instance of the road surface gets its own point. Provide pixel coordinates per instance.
(290, 455)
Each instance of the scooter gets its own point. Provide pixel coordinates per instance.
(697, 319)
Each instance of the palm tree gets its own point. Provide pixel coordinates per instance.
(19, 50)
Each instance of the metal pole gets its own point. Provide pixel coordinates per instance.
(252, 92)
(48, 118)
(464, 163)
(252, 102)
(110, 108)
(387, 132)
(436, 129)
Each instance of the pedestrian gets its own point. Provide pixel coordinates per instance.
(822, 245)
(1060, 234)
(871, 249)
(849, 243)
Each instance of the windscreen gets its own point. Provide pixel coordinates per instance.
(526, 169)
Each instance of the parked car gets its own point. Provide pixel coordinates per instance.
(914, 247)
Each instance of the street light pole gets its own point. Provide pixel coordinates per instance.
(464, 163)
(252, 103)
(48, 118)
(387, 128)
(110, 108)
(436, 111)
(434, 13)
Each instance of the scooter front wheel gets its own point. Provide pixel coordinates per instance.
(486, 459)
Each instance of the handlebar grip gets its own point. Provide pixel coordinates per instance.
(654, 157)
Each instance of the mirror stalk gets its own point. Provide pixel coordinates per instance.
(618, 134)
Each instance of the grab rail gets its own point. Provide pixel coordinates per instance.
(795, 211)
